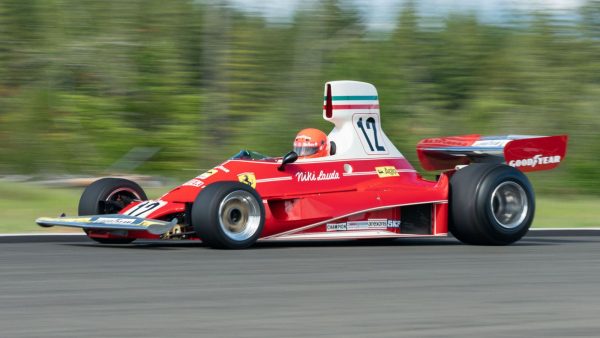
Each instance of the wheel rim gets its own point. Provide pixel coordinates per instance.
(119, 198)
(239, 215)
(509, 205)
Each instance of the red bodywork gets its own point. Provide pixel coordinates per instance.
(360, 198)
(353, 198)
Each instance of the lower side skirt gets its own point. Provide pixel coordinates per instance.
(415, 220)
(349, 235)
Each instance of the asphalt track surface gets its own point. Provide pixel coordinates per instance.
(547, 285)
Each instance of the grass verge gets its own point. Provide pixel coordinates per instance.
(22, 203)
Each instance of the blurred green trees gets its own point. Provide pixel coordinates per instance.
(83, 82)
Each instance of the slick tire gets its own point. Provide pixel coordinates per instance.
(490, 204)
(228, 215)
(109, 196)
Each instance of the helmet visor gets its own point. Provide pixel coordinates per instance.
(305, 150)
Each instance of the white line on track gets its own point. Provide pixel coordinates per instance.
(563, 229)
(43, 234)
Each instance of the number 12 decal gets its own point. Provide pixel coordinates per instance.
(370, 124)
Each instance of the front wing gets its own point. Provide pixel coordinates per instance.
(109, 222)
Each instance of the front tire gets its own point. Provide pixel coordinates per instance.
(490, 204)
(109, 196)
(228, 215)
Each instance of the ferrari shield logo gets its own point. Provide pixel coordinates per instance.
(248, 178)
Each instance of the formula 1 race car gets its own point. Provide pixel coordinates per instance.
(364, 188)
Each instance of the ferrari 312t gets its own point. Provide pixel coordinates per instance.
(363, 188)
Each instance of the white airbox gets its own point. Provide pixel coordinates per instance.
(353, 107)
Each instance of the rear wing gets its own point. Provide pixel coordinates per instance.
(525, 152)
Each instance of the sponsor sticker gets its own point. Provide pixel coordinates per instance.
(110, 220)
(370, 224)
(393, 224)
(357, 225)
(336, 227)
(311, 176)
(194, 182)
(387, 171)
(377, 224)
(490, 143)
(248, 178)
(535, 160)
(207, 174)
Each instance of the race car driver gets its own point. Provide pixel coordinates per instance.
(311, 143)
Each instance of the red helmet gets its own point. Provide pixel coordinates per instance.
(311, 143)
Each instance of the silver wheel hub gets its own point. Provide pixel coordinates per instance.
(239, 215)
(509, 205)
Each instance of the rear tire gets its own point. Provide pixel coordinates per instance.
(228, 215)
(490, 204)
(109, 196)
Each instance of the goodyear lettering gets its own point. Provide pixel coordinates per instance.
(534, 161)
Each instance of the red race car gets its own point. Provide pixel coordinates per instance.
(352, 183)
